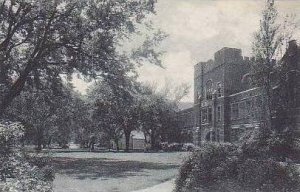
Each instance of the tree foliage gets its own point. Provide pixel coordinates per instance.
(40, 40)
(266, 42)
(17, 173)
(223, 167)
(116, 108)
(276, 135)
(158, 113)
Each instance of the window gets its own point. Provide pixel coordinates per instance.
(209, 115)
(234, 111)
(218, 135)
(219, 113)
(242, 110)
(204, 115)
(248, 107)
(209, 90)
(219, 90)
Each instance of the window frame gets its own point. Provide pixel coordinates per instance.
(204, 117)
(219, 89)
(209, 89)
(242, 110)
(219, 113)
(209, 115)
(234, 109)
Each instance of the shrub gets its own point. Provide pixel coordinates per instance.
(224, 167)
(268, 175)
(25, 176)
(212, 163)
(273, 145)
(17, 173)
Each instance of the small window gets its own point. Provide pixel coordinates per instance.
(219, 113)
(248, 107)
(209, 115)
(204, 115)
(234, 111)
(242, 110)
(219, 90)
(208, 90)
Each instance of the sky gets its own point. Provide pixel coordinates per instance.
(197, 29)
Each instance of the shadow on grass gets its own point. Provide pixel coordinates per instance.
(103, 168)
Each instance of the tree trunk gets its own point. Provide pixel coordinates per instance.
(127, 140)
(267, 105)
(91, 146)
(39, 145)
(153, 141)
(39, 138)
(15, 89)
(49, 142)
(117, 143)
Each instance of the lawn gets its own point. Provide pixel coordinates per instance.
(113, 172)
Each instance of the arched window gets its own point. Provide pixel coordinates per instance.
(208, 89)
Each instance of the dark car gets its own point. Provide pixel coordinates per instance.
(175, 147)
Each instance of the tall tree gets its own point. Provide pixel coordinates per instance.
(266, 42)
(158, 113)
(43, 39)
(274, 133)
(48, 115)
(104, 110)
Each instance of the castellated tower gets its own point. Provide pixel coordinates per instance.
(218, 84)
(227, 106)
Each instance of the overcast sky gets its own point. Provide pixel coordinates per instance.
(198, 28)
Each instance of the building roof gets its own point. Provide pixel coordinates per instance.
(137, 135)
(185, 105)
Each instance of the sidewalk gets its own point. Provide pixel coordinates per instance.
(167, 186)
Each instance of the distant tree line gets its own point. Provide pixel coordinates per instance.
(117, 113)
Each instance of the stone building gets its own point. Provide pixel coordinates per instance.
(226, 105)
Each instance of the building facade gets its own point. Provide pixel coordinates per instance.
(226, 105)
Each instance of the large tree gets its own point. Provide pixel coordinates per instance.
(266, 42)
(158, 109)
(116, 108)
(267, 46)
(48, 115)
(275, 135)
(41, 40)
(101, 99)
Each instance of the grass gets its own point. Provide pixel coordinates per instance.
(95, 168)
(113, 172)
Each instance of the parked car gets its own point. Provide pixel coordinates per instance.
(175, 147)
(164, 146)
(188, 147)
